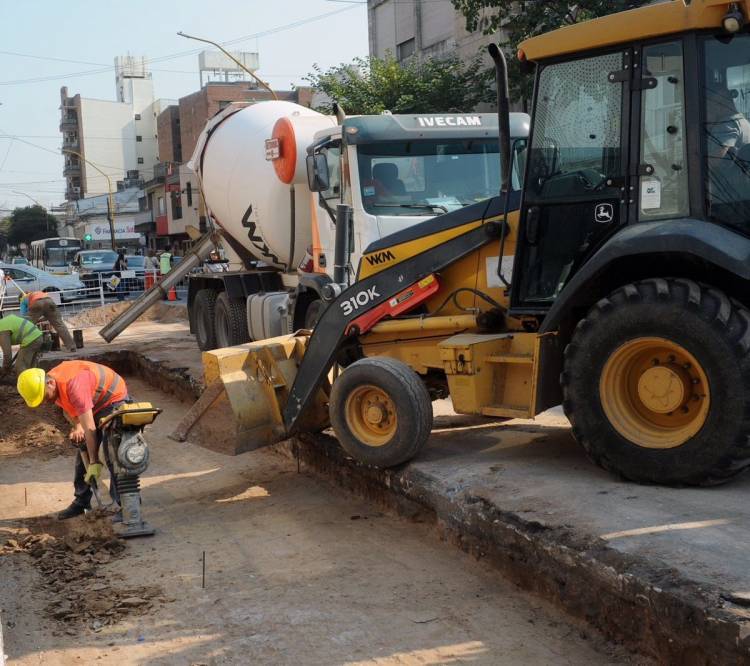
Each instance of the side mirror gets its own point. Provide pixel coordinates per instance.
(317, 173)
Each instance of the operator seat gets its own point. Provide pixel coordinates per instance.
(385, 174)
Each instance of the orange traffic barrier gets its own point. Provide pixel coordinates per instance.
(172, 295)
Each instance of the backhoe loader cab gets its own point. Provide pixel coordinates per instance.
(617, 283)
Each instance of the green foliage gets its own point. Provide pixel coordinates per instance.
(4, 233)
(29, 224)
(434, 85)
(521, 19)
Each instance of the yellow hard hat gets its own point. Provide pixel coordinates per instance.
(31, 386)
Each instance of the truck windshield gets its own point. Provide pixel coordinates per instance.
(727, 130)
(430, 177)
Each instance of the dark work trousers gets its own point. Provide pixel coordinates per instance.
(83, 491)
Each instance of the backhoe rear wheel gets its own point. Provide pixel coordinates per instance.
(656, 383)
(381, 411)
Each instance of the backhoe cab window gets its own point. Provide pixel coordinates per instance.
(431, 177)
(576, 144)
(727, 130)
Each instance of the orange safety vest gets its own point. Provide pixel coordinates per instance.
(35, 296)
(110, 387)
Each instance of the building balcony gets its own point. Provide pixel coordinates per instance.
(72, 170)
(68, 124)
(69, 144)
(73, 193)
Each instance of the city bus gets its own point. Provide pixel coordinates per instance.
(54, 255)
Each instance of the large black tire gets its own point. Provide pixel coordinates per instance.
(313, 312)
(231, 321)
(394, 389)
(714, 334)
(204, 317)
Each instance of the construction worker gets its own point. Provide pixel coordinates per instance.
(86, 392)
(15, 330)
(37, 305)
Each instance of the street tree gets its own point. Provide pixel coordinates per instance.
(4, 234)
(30, 223)
(432, 85)
(521, 19)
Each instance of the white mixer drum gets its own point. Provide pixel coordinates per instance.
(245, 191)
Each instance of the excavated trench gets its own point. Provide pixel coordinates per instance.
(642, 603)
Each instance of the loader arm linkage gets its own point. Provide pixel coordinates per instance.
(366, 295)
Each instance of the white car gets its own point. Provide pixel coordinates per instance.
(28, 278)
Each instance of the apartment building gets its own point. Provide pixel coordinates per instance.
(117, 139)
(421, 28)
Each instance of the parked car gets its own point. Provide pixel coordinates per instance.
(94, 266)
(137, 264)
(28, 278)
(20, 260)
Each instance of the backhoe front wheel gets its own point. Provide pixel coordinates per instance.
(380, 411)
(656, 383)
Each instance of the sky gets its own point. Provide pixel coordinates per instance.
(38, 36)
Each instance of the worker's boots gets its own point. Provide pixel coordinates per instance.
(75, 509)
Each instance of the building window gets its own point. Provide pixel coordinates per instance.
(162, 207)
(176, 206)
(405, 49)
(139, 138)
(223, 104)
(137, 116)
(140, 160)
(189, 192)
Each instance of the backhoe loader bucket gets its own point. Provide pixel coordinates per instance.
(246, 389)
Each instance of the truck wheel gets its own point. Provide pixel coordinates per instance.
(231, 322)
(656, 383)
(314, 310)
(204, 306)
(380, 411)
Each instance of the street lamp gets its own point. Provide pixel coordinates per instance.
(231, 57)
(110, 200)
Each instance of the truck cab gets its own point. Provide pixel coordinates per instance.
(395, 171)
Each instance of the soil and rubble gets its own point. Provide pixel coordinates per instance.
(70, 556)
(41, 432)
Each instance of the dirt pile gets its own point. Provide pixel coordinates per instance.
(166, 314)
(69, 555)
(41, 432)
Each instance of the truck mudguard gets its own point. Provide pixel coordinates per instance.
(423, 254)
(710, 242)
(314, 281)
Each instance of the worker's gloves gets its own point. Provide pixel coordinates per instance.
(93, 473)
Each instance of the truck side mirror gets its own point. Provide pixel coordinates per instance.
(317, 173)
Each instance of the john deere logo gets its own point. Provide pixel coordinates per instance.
(380, 258)
(604, 213)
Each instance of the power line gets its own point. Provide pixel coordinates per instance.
(182, 54)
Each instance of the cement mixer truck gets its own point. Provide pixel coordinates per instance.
(299, 195)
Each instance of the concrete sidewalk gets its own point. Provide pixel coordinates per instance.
(663, 569)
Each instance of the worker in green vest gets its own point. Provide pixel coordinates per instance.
(15, 330)
(165, 262)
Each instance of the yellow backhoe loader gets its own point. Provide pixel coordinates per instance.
(616, 283)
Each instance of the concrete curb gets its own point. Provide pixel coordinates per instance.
(2, 645)
(641, 602)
